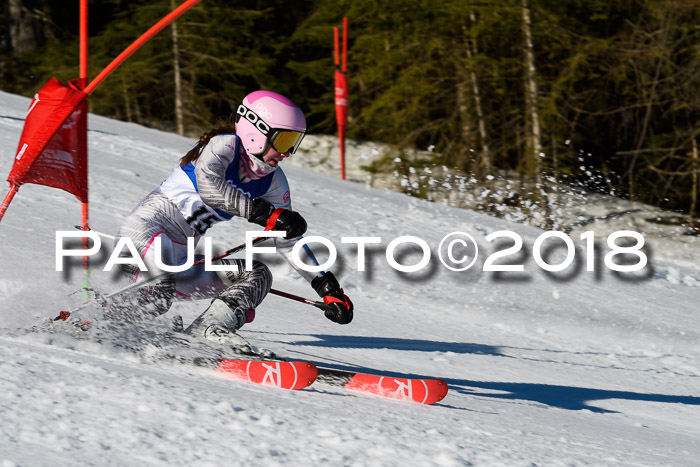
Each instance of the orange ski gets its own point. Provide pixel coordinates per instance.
(423, 391)
(283, 375)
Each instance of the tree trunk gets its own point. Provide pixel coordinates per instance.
(179, 120)
(649, 108)
(534, 137)
(645, 126)
(127, 100)
(534, 144)
(138, 117)
(465, 125)
(695, 167)
(27, 28)
(485, 153)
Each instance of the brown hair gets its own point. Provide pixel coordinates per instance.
(193, 154)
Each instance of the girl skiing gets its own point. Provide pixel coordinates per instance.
(231, 172)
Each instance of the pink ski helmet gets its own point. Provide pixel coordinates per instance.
(267, 117)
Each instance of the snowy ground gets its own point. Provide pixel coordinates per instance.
(565, 368)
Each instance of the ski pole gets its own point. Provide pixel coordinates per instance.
(64, 315)
(297, 298)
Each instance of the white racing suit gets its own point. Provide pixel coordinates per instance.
(186, 204)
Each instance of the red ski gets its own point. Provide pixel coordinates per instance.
(423, 391)
(283, 375)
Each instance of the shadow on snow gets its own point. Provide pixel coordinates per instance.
(563, 397)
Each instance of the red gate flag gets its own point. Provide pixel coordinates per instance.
(341, 98)
(341, 92)
(52, 150)
(341, 77)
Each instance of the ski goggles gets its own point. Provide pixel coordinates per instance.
(283, 140)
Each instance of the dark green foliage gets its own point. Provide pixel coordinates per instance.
(619, 80)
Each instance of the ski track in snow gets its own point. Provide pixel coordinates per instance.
(584, 369)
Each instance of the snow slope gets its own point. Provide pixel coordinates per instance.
(570, 368)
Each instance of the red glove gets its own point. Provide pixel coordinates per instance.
(264, 213)
(327, 287)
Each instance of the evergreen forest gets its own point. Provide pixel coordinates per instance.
(534, 87)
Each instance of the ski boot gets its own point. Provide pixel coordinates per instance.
(220, 322)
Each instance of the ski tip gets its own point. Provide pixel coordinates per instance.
(443, 389)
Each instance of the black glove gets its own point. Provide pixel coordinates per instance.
(327, 287)
(263, 213)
